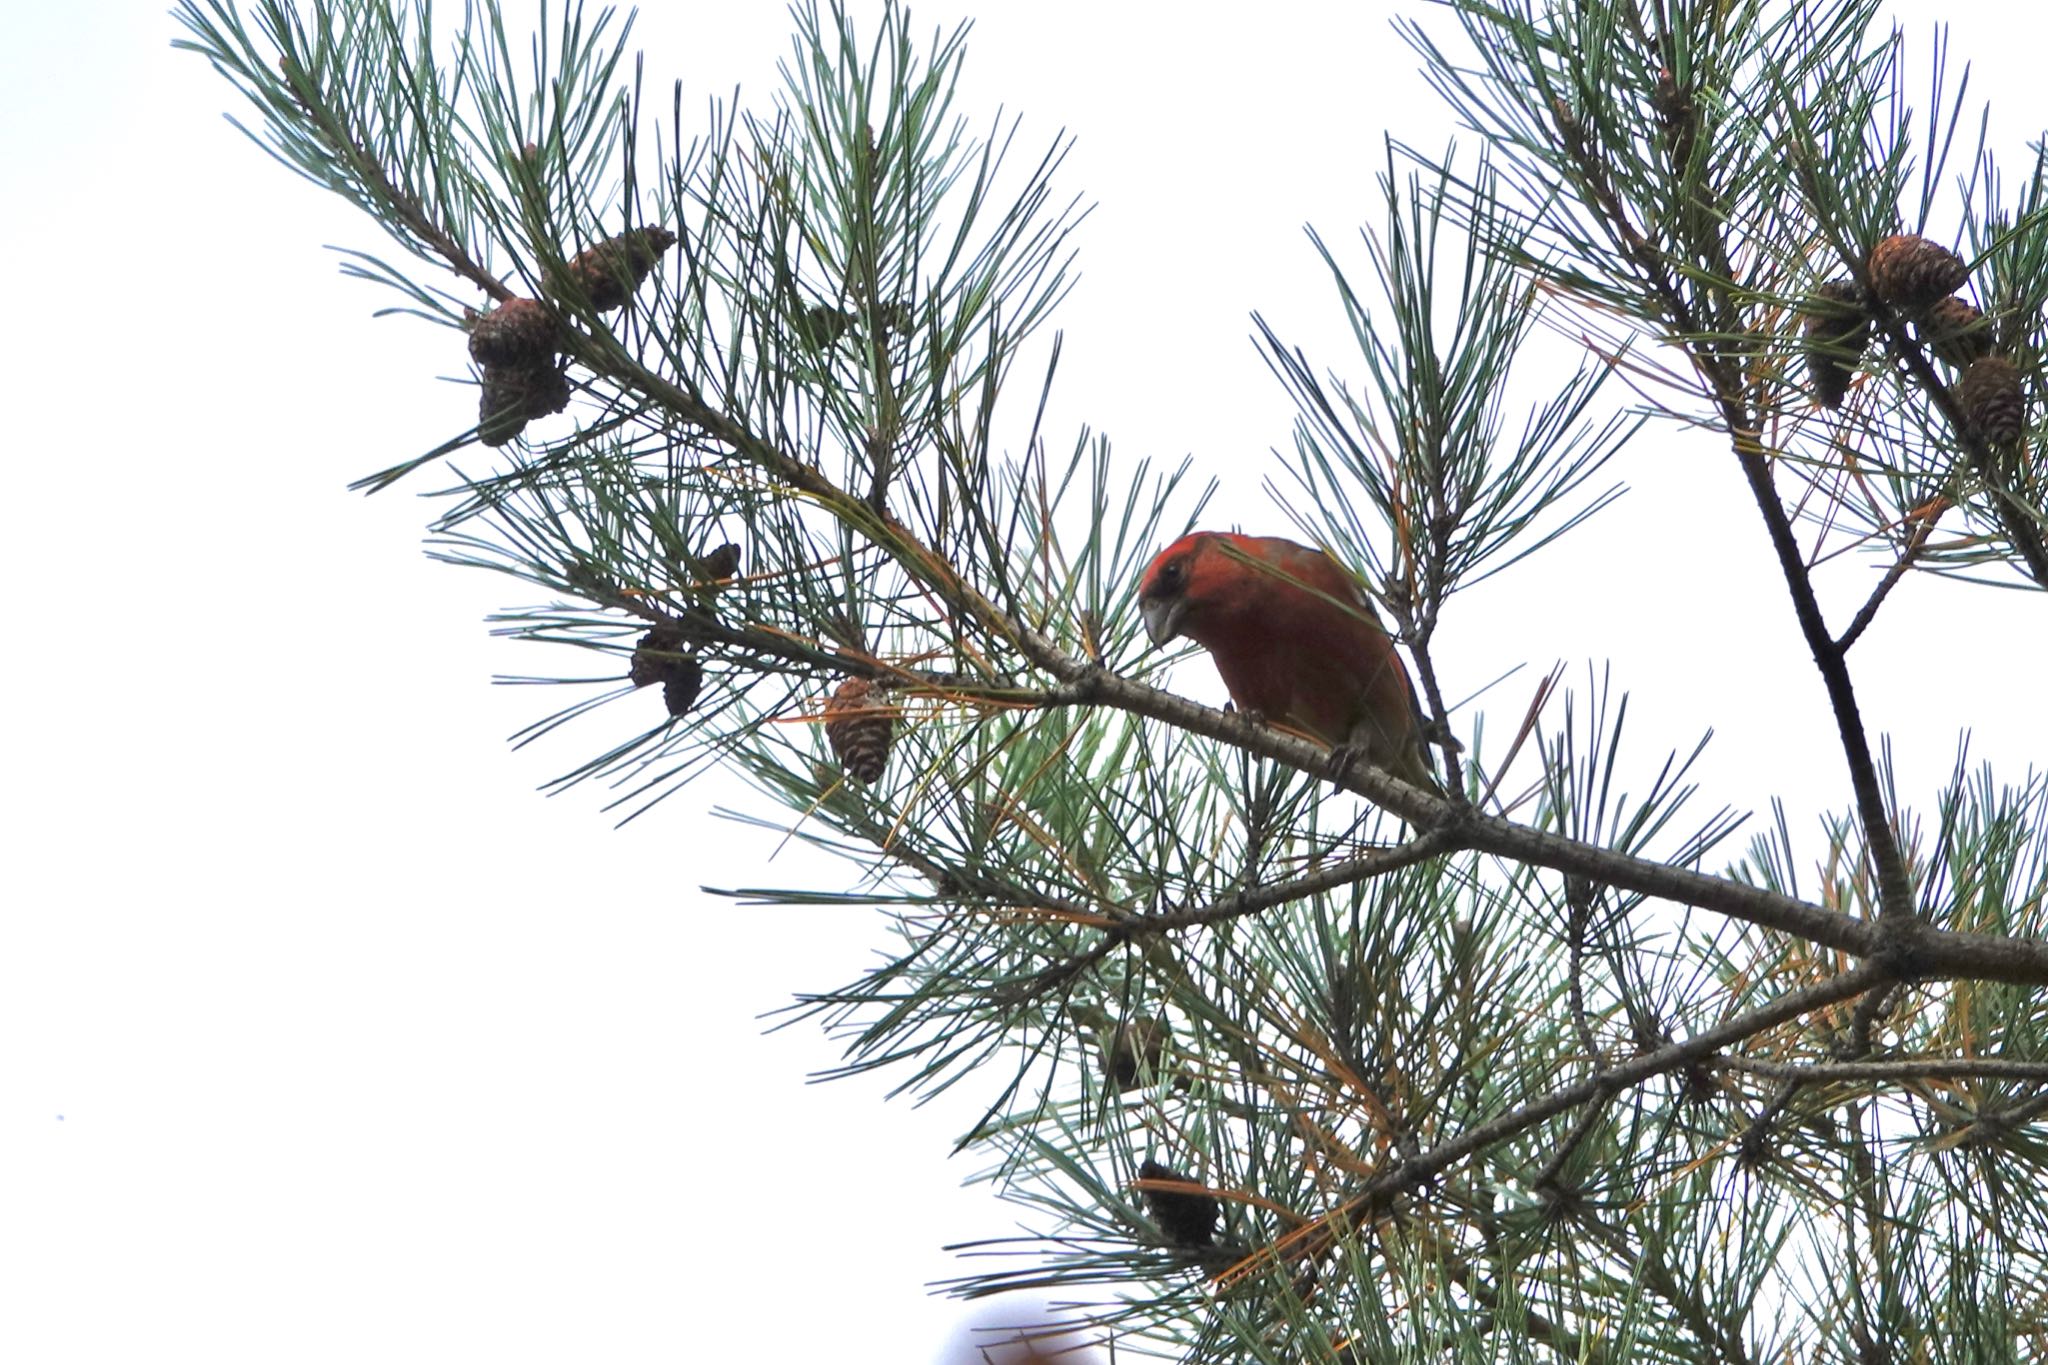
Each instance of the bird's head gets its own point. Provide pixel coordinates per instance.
(1175, 584)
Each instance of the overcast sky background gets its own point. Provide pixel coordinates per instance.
(323, 1035)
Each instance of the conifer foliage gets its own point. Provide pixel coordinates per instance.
(1297, 1061)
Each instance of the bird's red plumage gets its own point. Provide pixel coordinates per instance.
(1295, 639)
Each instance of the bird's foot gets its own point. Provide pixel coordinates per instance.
(1343, 758)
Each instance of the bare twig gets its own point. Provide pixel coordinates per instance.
(1724, 383)
(1923, 527)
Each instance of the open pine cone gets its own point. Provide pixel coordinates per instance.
(1913, 274)
(608, 273)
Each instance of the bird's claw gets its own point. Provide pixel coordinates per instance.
(1343, 758)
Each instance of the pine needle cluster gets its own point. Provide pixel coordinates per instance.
(1550, 1068)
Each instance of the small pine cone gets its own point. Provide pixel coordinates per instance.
(609, 272)
(1187, 1220)
(1838, 315)
(860, 728)
(1913, 274)
(519, 334)
(1956, 331)
(721, 563)
(679, 689)
(657, 655)
(1993, 399)
(1837, 329)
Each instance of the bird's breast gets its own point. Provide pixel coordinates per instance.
(1288, 681)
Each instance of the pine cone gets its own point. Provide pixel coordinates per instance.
(722, 562)
(1993, 399)
(659, 657)
(609, 272)
(1956, 331)
(519, 334)
(1837, 329)
(1913, 274)
(859, 726)
(656, 655)
(1187, 1220)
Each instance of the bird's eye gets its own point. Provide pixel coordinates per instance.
(1171, 574)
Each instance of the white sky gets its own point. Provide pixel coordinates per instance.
(323, 1037)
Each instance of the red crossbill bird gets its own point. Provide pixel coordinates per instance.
(1296, 640)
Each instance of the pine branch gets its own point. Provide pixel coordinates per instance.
(1724, 384)
(1892, 1069)
(1408, 1173)
(2020, 529)
(1922, 954)
(1350, 1019)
